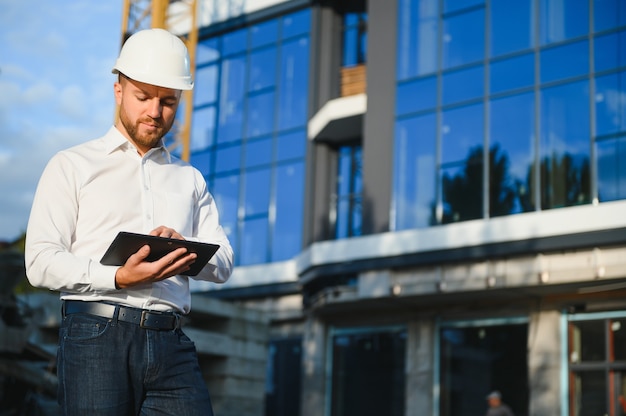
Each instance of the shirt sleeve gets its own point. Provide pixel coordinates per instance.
(209, 230)
(49, 260)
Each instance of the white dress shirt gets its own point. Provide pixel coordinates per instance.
(90, 192)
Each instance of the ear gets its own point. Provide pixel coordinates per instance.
(117, 90)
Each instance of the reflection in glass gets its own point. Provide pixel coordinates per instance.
(511, 28)
(512, 73)
(259, 71)
(254, 246)
(609, 51)
(225, 190)
(414, 164)
(610, 113)
(463, 85)
(228, 158)
(610, 107)
(202, 128)
(202, 161)
(258, 152)
(611, 154)
(262, 69)
(257, 192)
(287, 236)
(463, 38)
(564, 61)
(417, 33)
(207, 51)
(462, 163)
(511, 131)
(291, 145)
(231, 100)
(354, 39)
(260, 114)
(295, 24)
(455, 5)
(608, 14)
(562, 20)
(205, 85)
(462, 190)
(349, 191)
(292, 89)
(462, 131)
(234, 42)
(368, 373)
(540, 138)
(416, 95)
(265, 33)
(564, 146)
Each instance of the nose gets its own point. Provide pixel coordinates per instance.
(154, 107)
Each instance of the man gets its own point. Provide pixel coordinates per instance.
(496, 407)
(121, 349)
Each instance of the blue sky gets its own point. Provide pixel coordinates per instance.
(56, 89)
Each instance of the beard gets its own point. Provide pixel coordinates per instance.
(147, 139)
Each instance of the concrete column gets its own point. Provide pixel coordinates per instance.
(379, 120)
(313, 368)
(419, 368)
(544, 363)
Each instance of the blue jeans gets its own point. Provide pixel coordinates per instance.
(106, 367)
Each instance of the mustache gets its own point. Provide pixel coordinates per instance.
(151, 121)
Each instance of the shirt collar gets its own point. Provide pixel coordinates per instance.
(114, 139)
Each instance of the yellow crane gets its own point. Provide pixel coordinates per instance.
(177, 16)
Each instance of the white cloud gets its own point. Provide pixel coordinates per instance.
(55, 90)
(73, 102)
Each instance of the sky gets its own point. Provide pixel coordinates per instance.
(56, 90)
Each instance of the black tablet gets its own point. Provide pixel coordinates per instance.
(126, 244)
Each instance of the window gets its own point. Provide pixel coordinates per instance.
(597, 364)
(485, 97)
(349, 191)
(249, 133)
(367, 376)
(477, 358)
(463, 38)
(511, 154)
(511, 28)
(354, 38)
(461, 168)
(415, 186)
(564, 148)
(282, 386)
(418, 32)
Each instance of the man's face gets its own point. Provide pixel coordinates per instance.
(494, 401)
(147, 112)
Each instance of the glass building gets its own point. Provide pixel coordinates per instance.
(426, 196)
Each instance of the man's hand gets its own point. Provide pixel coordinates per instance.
(163, 231)
(138, 271)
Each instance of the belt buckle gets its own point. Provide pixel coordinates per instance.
(143, 323)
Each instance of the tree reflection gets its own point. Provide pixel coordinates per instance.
(565, 181)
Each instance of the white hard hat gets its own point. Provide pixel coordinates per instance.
(157, 57)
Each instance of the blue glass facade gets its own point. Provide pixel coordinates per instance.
(249, 133)
(507, 106)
